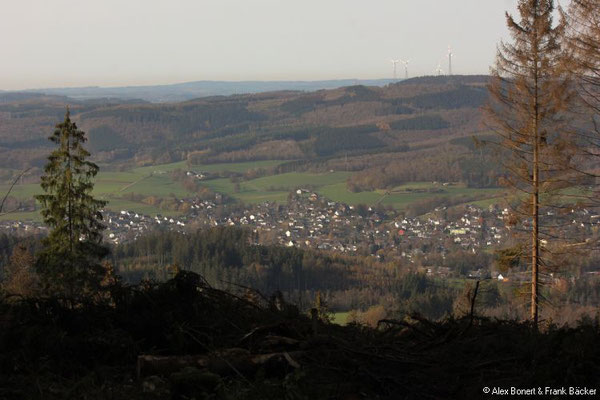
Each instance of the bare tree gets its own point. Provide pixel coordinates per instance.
(583, 44)
(583, 39)
(530, 93)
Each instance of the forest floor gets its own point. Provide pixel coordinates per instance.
(185, 340)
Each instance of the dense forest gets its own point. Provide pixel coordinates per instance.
(230, 257)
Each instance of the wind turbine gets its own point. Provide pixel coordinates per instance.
(395, 62)
(439, 71)
(450, 54)
(405, 67)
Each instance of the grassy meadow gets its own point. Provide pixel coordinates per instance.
(340, 317)
(117, 188)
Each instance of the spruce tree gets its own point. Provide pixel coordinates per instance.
(583, 41)
(70, 264)
(530, 93)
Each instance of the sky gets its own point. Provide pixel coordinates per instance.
(69, 43)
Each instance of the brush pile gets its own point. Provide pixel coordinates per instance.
(185, 340)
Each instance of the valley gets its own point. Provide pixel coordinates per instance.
(133, 190)
(356, 145)
(233, 200)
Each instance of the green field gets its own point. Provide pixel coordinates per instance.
(341, 318)
(339, 192)
(333, 186)
(148, 181)
(155, 181)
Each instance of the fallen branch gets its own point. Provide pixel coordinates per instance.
(10, 190)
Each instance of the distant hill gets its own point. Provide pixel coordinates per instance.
(353, 128)
(9, 97)
(192, 90)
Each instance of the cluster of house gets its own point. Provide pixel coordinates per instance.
(20, 228)
(311, 221)
(129, 225)
(120, 226)
(197, 175)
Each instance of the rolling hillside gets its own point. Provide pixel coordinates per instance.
(354, 126)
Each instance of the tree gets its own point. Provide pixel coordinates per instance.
(322, 308)
(584, 45)
(70, 261)
(530, 93)
(583, 40)
(20, 279)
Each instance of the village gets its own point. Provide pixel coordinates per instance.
(311, 221)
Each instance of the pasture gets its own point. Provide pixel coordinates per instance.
(126, 190)
(341, 317)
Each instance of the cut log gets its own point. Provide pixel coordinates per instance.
(275, 343)
(165, 365)
(224, 363)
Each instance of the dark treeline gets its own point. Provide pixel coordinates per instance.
(463, 96)
(227, 257)
(454, 164)
(334, 140)
(223, 255)
(458, 96)
(105, 138)
(183, 118)
(311, 102)
(425, 122)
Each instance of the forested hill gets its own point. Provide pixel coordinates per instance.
(351, 123)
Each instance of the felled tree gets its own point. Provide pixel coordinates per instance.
(70, 264)
(530, 92)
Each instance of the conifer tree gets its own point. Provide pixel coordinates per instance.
(530, 92)
(70, 264)
(583, 40)
(19, 277)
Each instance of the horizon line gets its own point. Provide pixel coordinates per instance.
(31, 89)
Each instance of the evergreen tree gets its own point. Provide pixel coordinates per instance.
(322, 308)
(530, 93)
(19, 277)
(583, 43)
(70, 261)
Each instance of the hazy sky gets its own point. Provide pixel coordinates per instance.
(56, 43)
